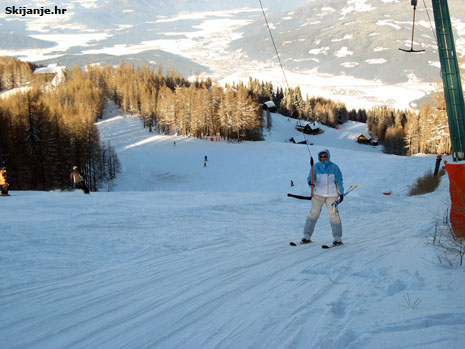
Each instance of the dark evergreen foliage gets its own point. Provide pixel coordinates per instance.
(46, 130)
(14, 73)
(173, 105)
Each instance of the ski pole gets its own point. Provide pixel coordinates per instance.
(311, 181)
(337, 202)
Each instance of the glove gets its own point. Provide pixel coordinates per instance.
(311, 185)
(341, 197)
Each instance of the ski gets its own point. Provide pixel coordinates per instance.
(331, 246)
(292, 243)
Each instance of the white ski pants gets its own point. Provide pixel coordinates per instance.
(334, 219)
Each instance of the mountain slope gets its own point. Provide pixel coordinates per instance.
(356, 38)
(155, 58)
(17, 42)
(359, 38)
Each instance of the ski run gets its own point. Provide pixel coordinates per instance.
(178, 255)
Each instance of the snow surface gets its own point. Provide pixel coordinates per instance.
(185, 256)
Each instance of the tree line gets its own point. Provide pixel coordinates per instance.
(47, 130)
(400, 132)
(14, 73)
(408, 133)
(171, 104)
(291, 103)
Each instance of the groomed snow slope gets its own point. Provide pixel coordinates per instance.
(185, 256)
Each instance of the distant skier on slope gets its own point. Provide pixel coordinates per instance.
(328, 187)
(4, 181)
(76, 179)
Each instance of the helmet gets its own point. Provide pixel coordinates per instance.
(75, 167)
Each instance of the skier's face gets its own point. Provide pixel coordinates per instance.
(323, 157)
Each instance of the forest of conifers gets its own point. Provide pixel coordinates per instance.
(48, 126)
(45, 130)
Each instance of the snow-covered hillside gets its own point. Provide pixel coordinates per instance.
(356, 61)
(185, 256)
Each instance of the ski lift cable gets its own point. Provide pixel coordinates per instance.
(284, 74)
(430, 23)
(274, 44)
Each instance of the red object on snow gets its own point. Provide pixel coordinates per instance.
(456, 174)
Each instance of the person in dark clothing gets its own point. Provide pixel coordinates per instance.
(4, 181)
(77, 181)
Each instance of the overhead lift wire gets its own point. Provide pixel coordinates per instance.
(289, 90)
(274, 44)
(430, 23)
(284, 74)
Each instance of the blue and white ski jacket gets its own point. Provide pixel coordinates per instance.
(327, 178)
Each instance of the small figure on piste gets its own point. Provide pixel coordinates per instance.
(4, 181)
(77, 180)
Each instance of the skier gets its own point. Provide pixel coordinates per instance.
(327, 185)
(3, 181)
(76, 179)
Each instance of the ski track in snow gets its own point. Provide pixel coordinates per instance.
(181, 256)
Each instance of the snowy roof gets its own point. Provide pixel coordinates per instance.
(52, 68)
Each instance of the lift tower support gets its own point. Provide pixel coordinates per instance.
(450, 74)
